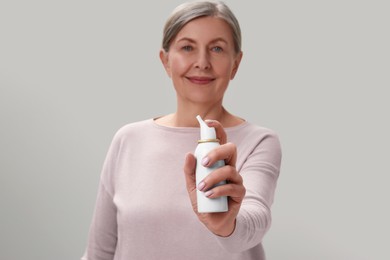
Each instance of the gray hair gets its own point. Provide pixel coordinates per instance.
(189, 11)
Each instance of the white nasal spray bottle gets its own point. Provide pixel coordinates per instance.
(208, 141)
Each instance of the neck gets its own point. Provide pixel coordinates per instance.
(186, 114)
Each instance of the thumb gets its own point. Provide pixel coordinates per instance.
(189, 172)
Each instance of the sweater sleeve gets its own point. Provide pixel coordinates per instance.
(102, 236)
(260, 171)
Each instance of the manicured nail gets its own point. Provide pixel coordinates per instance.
(201, 185)
(208, 193)
(205, 161)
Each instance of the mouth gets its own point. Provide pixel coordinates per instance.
(200, 80)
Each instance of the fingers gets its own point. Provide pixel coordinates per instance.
(233, 191)
(228, 173)
(220, 132)
(189, 171)
(226, 152)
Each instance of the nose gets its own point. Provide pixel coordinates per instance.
(203, 61)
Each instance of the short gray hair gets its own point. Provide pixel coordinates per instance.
(189, 11)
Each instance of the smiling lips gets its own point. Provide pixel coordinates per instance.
(200, 80)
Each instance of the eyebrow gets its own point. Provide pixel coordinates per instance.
(219, 39)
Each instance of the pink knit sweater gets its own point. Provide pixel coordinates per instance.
(143, 210)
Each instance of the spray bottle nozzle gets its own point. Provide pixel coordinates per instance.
(206, 132)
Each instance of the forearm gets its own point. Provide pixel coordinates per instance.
(252, 223)
(260, 173)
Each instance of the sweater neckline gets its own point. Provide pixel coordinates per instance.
(193, 129)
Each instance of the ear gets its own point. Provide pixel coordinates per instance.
(165, 61)
(237, 62)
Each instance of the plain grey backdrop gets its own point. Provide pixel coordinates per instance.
(73, 72)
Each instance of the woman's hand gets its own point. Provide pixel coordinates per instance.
(222, 223)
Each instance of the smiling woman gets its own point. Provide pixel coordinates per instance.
(146, 208)
(202, 62)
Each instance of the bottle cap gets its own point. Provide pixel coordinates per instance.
(207, 134)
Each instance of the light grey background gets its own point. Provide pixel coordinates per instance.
(73, 72)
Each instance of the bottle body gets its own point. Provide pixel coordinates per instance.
(207, 205)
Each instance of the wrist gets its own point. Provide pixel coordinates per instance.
(226, 230)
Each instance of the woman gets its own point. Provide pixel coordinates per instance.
(146, 208)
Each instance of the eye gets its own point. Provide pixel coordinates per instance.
(187, 48)
(217, 49)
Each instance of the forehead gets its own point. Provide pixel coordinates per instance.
(206, 28)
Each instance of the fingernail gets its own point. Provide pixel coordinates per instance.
(208, 193)
(201, 185)
(205, 161)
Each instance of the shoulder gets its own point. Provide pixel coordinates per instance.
(257, 145)
(265, 136)
(132, 131)
(255, 139)
(133, 128)
(261, 129)
(253, 132)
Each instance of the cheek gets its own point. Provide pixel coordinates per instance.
(178, 65)
(224, 68)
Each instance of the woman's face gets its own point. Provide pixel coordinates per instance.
(202, 60)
